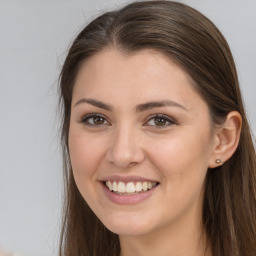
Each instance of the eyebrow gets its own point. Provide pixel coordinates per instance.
(158, 104)
(95, 103)
(138, 108)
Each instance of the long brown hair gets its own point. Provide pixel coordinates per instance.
(198, 47)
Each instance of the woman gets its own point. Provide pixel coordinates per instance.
(158, 154)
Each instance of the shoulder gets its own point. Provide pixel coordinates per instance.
(2, 253)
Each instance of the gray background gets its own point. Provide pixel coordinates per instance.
(34, 38)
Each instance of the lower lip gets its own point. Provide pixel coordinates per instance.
(127, 199)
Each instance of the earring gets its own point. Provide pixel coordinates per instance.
(218, 161)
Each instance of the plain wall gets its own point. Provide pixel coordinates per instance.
(34, 38)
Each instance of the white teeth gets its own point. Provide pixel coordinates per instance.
(109, 185)
(114, 186)
(138, 186)
(130, 187)
(121, 187)
(145, 186)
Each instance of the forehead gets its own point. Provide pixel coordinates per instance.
(139, 76)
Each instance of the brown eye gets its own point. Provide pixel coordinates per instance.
(94, 120)
(160, 121)
(98, 120)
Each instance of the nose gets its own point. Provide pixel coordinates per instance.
(125, 149)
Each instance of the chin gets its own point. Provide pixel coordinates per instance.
(129, 225)
(128, 230)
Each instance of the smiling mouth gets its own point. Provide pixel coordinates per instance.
(130, 188)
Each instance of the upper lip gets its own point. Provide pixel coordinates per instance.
(126, 179)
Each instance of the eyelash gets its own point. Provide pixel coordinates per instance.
(164, 117)
(89, 116)
(152, 117)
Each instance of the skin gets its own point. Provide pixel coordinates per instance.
(2, 253)
(129, 143)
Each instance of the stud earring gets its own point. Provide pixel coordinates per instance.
(218, 161)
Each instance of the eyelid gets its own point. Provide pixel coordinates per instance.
(91, 115)
(168, 119)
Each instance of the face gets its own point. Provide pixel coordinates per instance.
(140, 141)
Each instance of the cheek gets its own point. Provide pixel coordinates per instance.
(182, 157)
(85, 155)
(182, 164)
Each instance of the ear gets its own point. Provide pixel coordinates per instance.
(226, 139)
